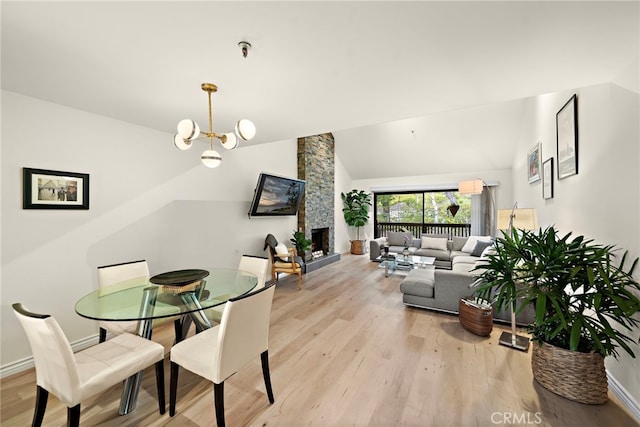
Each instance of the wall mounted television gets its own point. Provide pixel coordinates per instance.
(276, 196)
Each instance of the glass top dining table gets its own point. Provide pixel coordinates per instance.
(166, 295)
(181, 293)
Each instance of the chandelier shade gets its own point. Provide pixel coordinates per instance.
(211, 158)
(189, 131)
(245, 129)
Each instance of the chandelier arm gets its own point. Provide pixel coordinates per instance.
(210, 116)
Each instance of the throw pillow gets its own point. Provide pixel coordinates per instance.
(471, 243)
(491, 249)
(282, 251)
(458, 243)
(439, 243)
(397, 238)
(479, 248)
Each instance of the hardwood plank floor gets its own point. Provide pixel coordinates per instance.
(345, 351)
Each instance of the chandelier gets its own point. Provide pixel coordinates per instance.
(189, 131)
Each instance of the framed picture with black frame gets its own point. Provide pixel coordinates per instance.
(533, 163)
(547, 179)
(567, 138)
(49, 189)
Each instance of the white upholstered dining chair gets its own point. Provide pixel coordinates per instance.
(217, 353)
(115, 277)
(73, 377)
(256, 265)
(253, 264)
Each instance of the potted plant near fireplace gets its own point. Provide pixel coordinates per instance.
(585, 302)
(301, 243)
(356, 214)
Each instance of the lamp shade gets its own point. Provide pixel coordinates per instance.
(211, 158)
(181, 143)
(229, 141)
(521, 219)
(245, 129)
(471, 186)
(188, 129)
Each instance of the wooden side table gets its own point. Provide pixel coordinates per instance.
(474, 317)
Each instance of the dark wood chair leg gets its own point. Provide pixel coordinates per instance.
(177, 326)
(218, 397)
(173, 388)
(42, 396)
(185, 321)
(160, 385)
(73, 416)
(265, 373)
(103, 335)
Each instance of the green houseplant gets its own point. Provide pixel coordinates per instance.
(579, 292)
(301, 243)
(356, 214)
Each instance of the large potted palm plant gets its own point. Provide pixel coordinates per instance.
(584, 297)
(356, 214)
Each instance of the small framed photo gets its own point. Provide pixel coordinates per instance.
(567, 138)
(47, 189)
(547, 179)
(533, 163)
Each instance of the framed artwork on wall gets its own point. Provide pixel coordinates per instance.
(567, 138)
(48, 189)
(547, 179)
(533, 163)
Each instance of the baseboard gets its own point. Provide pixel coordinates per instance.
(621, 393)
(27, 363)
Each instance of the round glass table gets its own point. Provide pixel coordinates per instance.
(182, 293)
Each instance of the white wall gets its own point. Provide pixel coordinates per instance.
(602, 201)
(342, 184)
(148, 201)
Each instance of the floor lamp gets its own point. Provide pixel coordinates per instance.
(513, 220)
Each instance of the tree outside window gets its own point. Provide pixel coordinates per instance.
(424, 207)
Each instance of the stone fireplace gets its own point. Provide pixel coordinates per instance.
(316, 166)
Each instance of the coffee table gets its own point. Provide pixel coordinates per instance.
(398, 262)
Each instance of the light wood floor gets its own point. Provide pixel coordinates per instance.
(345, 351)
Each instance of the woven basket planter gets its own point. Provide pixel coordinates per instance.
(475, 319)
(580, 377)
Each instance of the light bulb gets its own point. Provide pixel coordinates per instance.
(188, 129)
(181, 143)
(230, 141)
(245, 129)
(211, 158)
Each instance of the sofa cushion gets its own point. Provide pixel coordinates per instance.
(439, 243)
(458, 243)
(436, 253)
(463, 267)
(397, 238)
(471, 243)
(465, 259)
(418, 282)
(480, 246)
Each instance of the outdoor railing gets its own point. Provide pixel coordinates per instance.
(417, 229)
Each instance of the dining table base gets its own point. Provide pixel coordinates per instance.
(129, 397)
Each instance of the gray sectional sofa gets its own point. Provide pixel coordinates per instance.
(445, 251)
(441, 288)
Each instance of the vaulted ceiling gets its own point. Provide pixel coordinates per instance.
(443, 81)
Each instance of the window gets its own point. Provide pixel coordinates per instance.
(420, 212)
